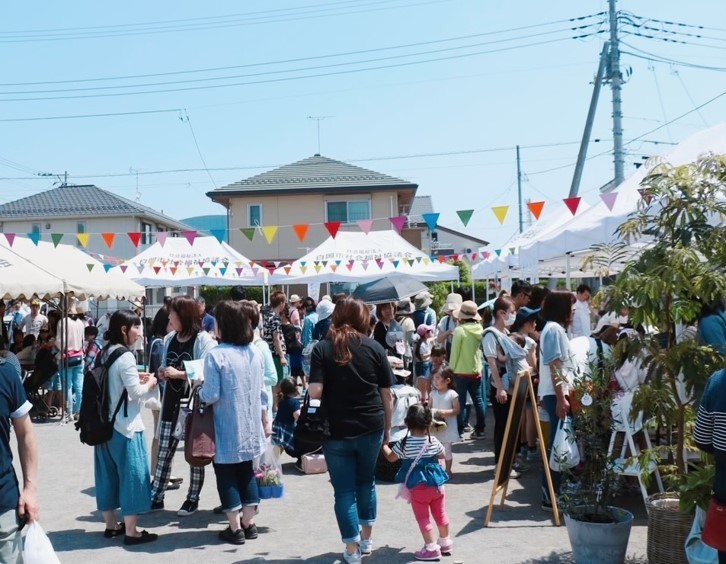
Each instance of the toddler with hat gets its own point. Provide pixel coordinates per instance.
(422, 357)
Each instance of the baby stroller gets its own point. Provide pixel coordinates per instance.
(33, 382)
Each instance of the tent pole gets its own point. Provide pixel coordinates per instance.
(567, 271)
(473, 289)
(143, 326)
(64, 357)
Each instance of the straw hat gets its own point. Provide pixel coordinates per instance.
(453, 301)
(468, 310)
(295, 299)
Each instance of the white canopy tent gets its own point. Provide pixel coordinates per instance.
(359, 257)
(77, 272)
(20, 278)
(206, 262)
(597, 225)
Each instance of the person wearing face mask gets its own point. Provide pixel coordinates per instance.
(496, 345)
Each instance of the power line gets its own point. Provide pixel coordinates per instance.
(199, 151)
(79, 116)
(640, 54)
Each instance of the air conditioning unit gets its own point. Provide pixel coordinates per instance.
(47, 225)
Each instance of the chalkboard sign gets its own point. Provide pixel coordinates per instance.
(523, 389)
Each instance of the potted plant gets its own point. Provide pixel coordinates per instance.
(681, 267)
(598, 531)
(269, 483)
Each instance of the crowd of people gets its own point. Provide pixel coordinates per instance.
(259, 360)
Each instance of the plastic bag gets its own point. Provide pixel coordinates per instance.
(38, 549)
(565, 454)
(697, 551)
(268, 472)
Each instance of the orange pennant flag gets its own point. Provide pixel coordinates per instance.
(536, 208)
(109, 238)
(301, 229)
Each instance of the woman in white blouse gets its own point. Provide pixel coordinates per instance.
(122, 464)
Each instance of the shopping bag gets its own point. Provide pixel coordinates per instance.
(268, 472)
(199, 440)
(697, 551)
(565, 454)
(38, 549)
(180, 425)
(714, 530)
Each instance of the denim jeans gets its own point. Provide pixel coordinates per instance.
(236, 485)
(550, 405)
(352, 468)
(72, 379)
(473, 387)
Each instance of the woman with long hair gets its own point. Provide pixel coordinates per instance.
(350, 373)
(556, 371)
(185, 342)
(122, 463)
(234, 384)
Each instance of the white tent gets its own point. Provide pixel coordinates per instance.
(598, 224)
(77, 272)
(205, 262)
(20, 278)
(359, 257)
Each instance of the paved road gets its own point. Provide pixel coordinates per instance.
(301, 526)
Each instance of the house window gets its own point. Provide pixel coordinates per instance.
(348, 212)
(254, 215)
(146, 233)
(80, 228)
(36, 229)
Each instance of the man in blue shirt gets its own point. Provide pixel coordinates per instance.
(16, 506)
(208, 321)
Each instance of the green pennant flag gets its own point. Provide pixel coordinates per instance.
(206, 270)
(90, 266)
(56, 238)
(465, 216)
(248, 232)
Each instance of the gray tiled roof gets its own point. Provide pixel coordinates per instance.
(420, 206)
(77, 201)
(314, 174)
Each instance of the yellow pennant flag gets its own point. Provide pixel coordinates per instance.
(270, 231)
(501, 212)
(83, 239)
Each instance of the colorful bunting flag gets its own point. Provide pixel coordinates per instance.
(365, 225)
(109, 238)
(465, 216)
(107, 267)
(646, 195)
(536, 208)
(135, 237)
(90, 266)
(173, 270)
(350, 265)
(512, 251)
(317, 268)
(398, 222)
(500, 212)
(380, 263)
(609, 199)
(34, 237)
(219, 234)
(269, 232)
(332, 227)
(10, 237)
(161, 237)
(498, 251)
(56, 238)
(333, 267)
(303, 268)
(239, 271)
(431, 219)
(157, 269)
(572, 204)
(190, 236)
(301, 229)
(190, 270)
(287, 269)
(206, 270)
(426, 261)
(396, 263)
(248, 232)
(123, 267)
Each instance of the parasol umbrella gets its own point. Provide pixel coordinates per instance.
(389, 289)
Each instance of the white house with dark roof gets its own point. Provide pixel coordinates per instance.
(311, 191)
(74, 209)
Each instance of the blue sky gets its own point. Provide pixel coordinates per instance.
(535, 95)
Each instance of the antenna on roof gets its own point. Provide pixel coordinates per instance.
(319, 119)
(137, 195)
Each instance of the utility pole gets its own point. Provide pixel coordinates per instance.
(616, 81)
(319, 119)
(519, 191)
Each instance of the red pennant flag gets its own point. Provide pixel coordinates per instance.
(441, 259)
(190, 236)
(572, 204)
(173, 270)
(302, 230)
(333, 267)
(10, 237)
(380, 263)
(536, 208)
(350, 264)
(157, 269)
(109, 238)
(398, 222)
(135, 237)
(332, 227)
(287, 269)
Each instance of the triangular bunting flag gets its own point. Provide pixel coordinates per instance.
(500, 212)
(337, 262)
(572, 204)
(269, 232)
(90, 266)
(303, 268)
(396, 263)
(317, 268)
(239, 271)
(10, 237)
(109, 238)
(426, 261)
(56, 238)
(431, 220)
(161, 237)
(301, 230)
(135, 237)
(536, 208)
(398, 223)
(219, 234)
(512, 251)
(441, 259)
(173, 270)
(276, 263)
(465, 216)
(473, 256)
(379, 262)
(157, 269)
(364, 264)
(365, 225)
(223, 270)
(206, 270)
(498, 251)
(333, 267)
(325, 263)
(189, 236)
(609, 199)
(332, 227)
(107, 267)
(455, 257)
(248, 232)
(410, 262)
(350, 264)
(83, 239)
(419, 259)
(190, 270)
(34, 237)
(303, 263)
(646, 195)
(287, 269)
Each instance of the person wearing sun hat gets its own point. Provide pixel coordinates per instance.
(404, 309)
(424, 313)
(467, 363)
(448, 322)
(34, 320)
(294, 302)
(324, 310)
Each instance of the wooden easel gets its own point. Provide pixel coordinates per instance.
(522, 389)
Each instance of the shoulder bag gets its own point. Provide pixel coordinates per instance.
(199, 443)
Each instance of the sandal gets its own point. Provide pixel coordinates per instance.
(117, 532)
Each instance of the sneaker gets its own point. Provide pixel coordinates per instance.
(546, 506)
(468, 428)
(427, 555)
(172, 486)
(174, 480)
(250, 531)
(533, 456)
(157, 505)
(519, 467)
(145, 537)
(366, 546)
(446, 545)
(236, 537)
(354, 558)
(188, 508)
(478, 434)
(514, 474)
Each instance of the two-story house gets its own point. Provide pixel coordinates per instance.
(312, 191)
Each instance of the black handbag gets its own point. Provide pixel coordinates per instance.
(312, 427)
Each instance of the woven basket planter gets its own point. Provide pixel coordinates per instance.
(668, 528)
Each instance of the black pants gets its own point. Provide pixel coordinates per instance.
(721, 557)
(501, 413)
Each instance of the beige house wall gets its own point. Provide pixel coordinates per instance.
(291, 209)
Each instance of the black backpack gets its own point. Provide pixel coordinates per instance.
(93, 421)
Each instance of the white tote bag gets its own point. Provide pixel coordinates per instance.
(38, 549)
(565, 454)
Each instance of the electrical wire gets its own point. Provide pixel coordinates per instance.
(685, 89)
(651, 68)
(199, 151)
(640, 54)
(674, 23)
